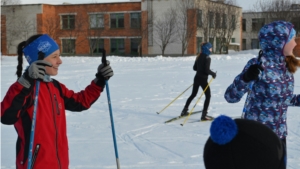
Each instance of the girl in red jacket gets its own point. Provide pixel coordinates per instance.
(50, 145)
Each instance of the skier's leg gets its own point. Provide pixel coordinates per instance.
(207, 98)
(189, 100)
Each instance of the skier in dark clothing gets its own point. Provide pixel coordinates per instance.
(202, 67)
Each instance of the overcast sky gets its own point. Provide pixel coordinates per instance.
(245, 4)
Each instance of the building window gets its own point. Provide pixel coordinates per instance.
(219, 44)
(199, 42)
(211, 20)
(257, 23)
(232, 40)
(68, 46)
(224, 21)
(117, 20)
(135, 20)
(134, 46)
(199, 18)
(244, 44)
(218, 20)
(244, 24)
(97, 46)
(68, 21)
(254, 44)
(117, 46)
(96, 21)
(233, 24)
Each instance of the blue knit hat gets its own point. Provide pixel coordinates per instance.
(205, 48)
(292, 35)
(242, 144)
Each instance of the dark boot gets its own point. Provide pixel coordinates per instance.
(205, 117)
(184, 112)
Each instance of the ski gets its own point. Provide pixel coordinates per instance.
(212, 119)
(179, 117)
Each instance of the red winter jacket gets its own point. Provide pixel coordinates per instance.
(50, 147)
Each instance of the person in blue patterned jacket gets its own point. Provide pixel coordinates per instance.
(271, 78)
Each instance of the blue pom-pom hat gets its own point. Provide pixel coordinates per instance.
(223, 129)
(242, 144)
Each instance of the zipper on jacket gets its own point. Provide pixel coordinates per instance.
(56, 102)
(34, 156)
(56, 131)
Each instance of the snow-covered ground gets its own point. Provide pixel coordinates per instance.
(140, 88)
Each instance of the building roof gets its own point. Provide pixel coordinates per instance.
(67, 3)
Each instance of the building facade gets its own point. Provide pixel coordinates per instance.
(253, 21)
(121, 28)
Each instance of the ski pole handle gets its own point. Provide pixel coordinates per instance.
(104, 57)
(41, 55)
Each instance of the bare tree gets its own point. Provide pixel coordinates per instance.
(165, 29)
(185, 13)
(18, 28)
(272, 10)
(221, 25)
(203, 20)
(210, 24)
(96, 29)
(208, 20)
(275, 9)
(226, 22)
(219, 20)
(26, 28)
(10, 2)
(51, 26)
(233, 19)
(266, 11)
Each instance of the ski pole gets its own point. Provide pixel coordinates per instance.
(251, 85)
(174, 99)
(196, 103)
(110, 113)
(35, 104)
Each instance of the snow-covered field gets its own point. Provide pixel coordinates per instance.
(140, 88)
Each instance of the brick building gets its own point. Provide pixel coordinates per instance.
(121, 28)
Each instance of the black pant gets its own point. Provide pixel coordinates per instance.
(197, 83)
(285, 150)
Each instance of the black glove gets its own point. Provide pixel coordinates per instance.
(252, 73)
(104, 73)
(214, 75)
(36, 71)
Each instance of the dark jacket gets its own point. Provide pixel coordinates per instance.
(202, 66)
(50, 147)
